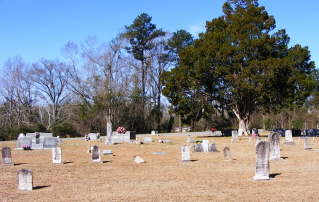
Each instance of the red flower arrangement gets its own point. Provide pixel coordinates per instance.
(212, 129)
(121, 130)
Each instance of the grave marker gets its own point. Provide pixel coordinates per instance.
(6, 156)
(49, 142)
(234, 135)
(227, 156)
(198, 148)
(185, 153)
(56, 155)
(205, 145)
(307, 143)
(24, 141)
(262, 161)
(138, 159)
(147, 139)
(109, 139)
(25, 180)
(212, 147)
(288, 138)
(95, 154)
(274, 146)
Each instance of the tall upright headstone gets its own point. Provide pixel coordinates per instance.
(307, 143)
(25, 180)
(205, 145)
(288, 138)
(262, 161)
(185, 153)
(56, 155)
(6, 156)
(234, 135)
(227, 156)
(109, 140)
(274, 144)
(95, 154)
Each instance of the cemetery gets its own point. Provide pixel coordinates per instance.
(210, 169)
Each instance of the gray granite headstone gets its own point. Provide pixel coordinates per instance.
(198, 148)
(25, 180)
(274, 146)
(49, 142)
(288, 138)
(24, 141)
(185, 153)
(106, 152)
(234, 135)
(56, 155)
(227, 156)
(212, 147)
(262, 161)
(6, 156)
(307, 143)
(95, 154)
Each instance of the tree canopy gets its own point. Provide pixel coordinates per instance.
(241, 63)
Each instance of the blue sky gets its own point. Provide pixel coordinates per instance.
(36, 29)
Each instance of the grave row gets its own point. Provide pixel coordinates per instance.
(28, 142)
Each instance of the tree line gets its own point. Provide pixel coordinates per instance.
(235, 75)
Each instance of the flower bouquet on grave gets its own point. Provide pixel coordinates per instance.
(25, 147)
(120, 130)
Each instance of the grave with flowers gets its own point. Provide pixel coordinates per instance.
(121, 135)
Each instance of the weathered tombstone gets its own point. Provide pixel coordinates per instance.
(25, 180)
(109, 140)
(198, 148)
(49, 142)
(262, 161)
(95, 154)
(257, 141)
(186, 157)
(166, 141)
(218, 133)
(24, 141)
(147, 139)
(227, 156)
(56, 155)
(138, 159)
(205, 145)
(274, 146)
(6, 156)
(288, 138)
(307, 143)
(235, 135)
(208, 133)
(212, 147)
(153, 132)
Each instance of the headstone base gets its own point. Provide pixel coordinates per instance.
(289, 143)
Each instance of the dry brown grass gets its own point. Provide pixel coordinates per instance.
(163, 177)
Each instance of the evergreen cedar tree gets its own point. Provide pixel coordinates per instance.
(240, 63)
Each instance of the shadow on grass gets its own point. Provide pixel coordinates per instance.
(68, 162)
(17, 164)
(274, 175)
(284, 157)
(41, 187)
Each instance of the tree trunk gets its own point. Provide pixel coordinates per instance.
(244, 123)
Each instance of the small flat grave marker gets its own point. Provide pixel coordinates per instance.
(106, 152)
(162, 152)
(138, 159)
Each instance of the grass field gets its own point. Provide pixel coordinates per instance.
(164, 177)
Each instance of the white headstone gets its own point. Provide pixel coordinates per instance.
(205, 145)
(227, 156)
(109, 140)
(235, 135)
(6, 156)
(25, 180)
(288, 138)
(56, 155)
(274, 145)
(307, 143)
(138, 159)
(186, 153)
